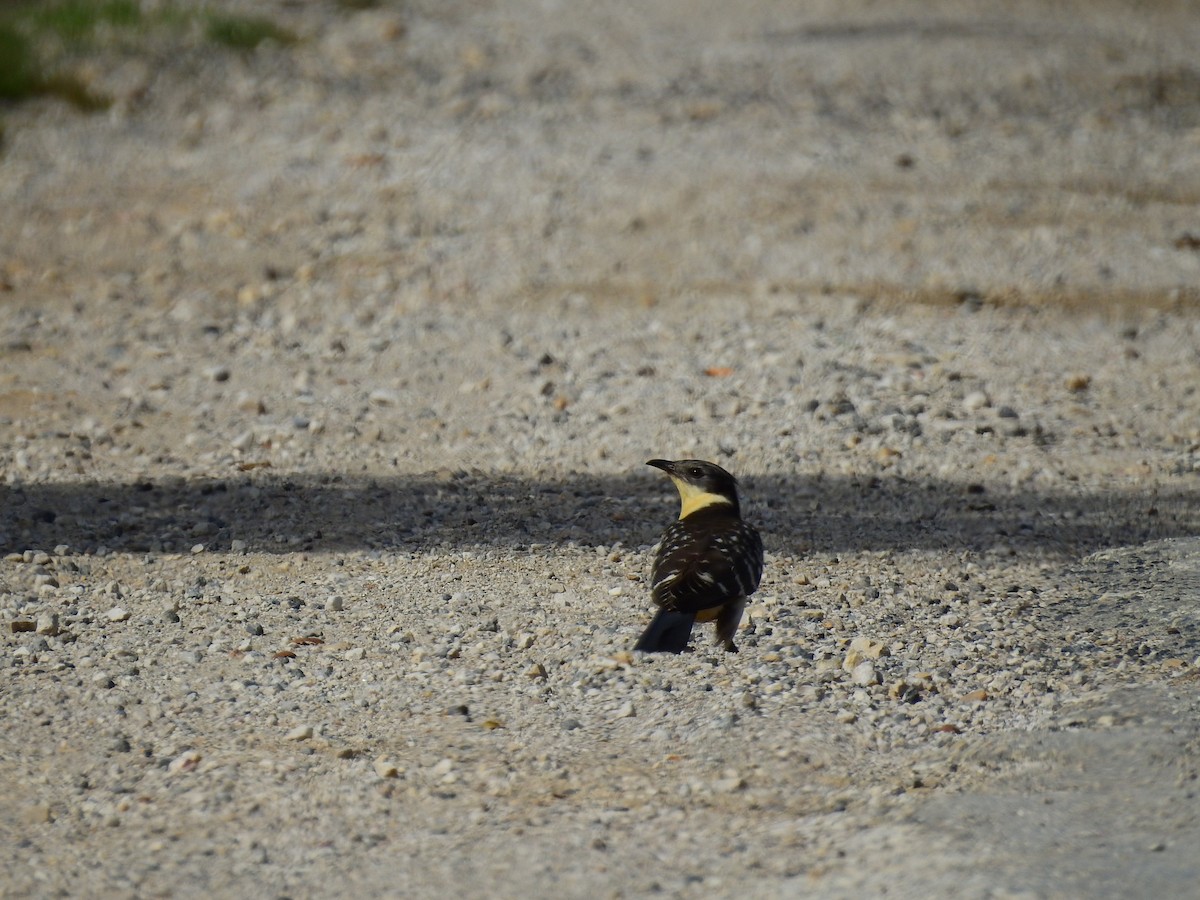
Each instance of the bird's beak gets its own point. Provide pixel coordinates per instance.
(665, 464)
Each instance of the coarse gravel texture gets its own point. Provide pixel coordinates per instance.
(328, 375)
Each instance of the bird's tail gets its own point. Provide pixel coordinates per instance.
(668, 632)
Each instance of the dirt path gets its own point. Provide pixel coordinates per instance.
(327, 377)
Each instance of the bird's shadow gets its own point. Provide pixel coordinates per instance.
(268, 512)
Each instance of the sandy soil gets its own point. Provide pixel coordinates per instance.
(327, 377)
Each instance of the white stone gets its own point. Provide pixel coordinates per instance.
(864, 674)
(975, 401)
(300, 733)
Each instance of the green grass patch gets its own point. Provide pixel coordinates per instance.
(22, 75)
(75, 20)
(245, 32)
(68, 87)
(42, 42)
(19, 76)
(31, 67)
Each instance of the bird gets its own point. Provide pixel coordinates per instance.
(708, 562)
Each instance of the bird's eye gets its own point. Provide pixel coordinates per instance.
(696, 472)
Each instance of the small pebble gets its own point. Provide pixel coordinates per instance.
(1078, 383)
(864, 674)
(729, 783)
(185, 762)
(299, 733)
(38, 814)
(975, 401)
(385, 768)
(382, 397)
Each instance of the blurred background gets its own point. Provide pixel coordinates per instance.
(408, 152)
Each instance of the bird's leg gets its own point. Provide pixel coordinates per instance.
(727, 623)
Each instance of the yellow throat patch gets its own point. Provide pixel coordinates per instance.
(693, 499)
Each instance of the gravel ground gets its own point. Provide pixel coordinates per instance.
(329, 373)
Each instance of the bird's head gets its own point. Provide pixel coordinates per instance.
(701, 484)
